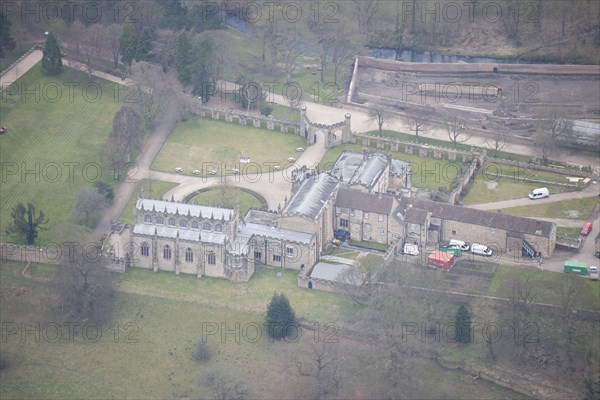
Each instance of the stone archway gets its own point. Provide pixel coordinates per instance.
(334, 134)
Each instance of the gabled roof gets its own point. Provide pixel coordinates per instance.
(399, 167)
(312, 196)
(357, 200)
(478, 217)
(354, 169)
(183, 209)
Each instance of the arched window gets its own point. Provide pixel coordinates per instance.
(145, 249)
(194, 225)
(189, 255)
(206, 226)
(218, 228)
(183, 223)
(147, 218)
(159, 220)
(172, 221)
(167, 252)
(212, 259)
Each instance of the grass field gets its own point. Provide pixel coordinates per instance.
(545, 284)
(151, 189)
(201, 143)
(51, 148)
(569, 209)
(146, 350)
(489, 188)
(228, 198)
(573, 233)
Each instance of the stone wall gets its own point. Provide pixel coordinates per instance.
(244, 119)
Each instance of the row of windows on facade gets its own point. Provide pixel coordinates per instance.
(167, 253)
(380, 217)
(344, 223)
(183, 223)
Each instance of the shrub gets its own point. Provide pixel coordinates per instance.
(201, 352)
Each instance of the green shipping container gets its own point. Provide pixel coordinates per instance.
(455, 252)
(574, 267)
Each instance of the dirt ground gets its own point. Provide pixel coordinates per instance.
(483, 100)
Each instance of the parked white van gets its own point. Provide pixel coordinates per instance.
(539, 193)
(480, 249)
(461, 245)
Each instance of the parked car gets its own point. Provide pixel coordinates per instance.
(196, 172)
(587, 228)
(411, 249)
(481, 249)
(179, 170)
(341, 234)
(462, 245)
(539, 193)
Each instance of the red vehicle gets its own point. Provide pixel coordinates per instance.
(441, 260)
(587, 228)
(3, 130)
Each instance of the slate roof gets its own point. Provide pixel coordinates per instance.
(312, 196)
(183, 209)
(331, 272)
(357, 200)
(415, 216)
(398, 167)
(276, 233)
(351, 168)
(479, 217)
(171, 232)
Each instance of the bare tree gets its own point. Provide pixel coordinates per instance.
(163, 48)
(521, 318)
(83, 285)
(365, 11)
(457, 133)
(568, 315)
(381, 116)
(154, 90)
(550, 132)
(320, 366)
(113, 32)
(362, 280)
(496, 142)
(418, 123)
(89, 204)
(224, 387)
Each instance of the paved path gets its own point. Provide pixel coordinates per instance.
(20, 69)
(591, 191)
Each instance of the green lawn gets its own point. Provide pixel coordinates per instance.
(228, 198)
(203, 144)
(151, 189)
(545, 285)
(491, 188)
(57, 138)
(369, 245)
(569, 209)
(573, 233)
(145, 351)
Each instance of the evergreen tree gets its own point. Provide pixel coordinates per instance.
(463, 324)
(144, 44)
(174, 15)
(202, 75)
(183, 59)
(7, 42)
(280, 316)
(52, 56)
(26, 222)
(128, 43)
